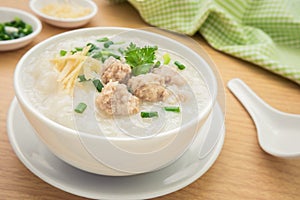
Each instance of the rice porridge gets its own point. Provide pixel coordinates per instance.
(114, 86)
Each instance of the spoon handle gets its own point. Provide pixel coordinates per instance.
(253, 104)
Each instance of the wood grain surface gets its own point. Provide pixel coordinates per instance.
(242, 171)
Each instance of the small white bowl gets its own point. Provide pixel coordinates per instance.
(37, 5)
(8, 14)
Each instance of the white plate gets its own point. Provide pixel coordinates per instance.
(40, 161)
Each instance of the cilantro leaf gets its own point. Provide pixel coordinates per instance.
(141, 69)
(138, 58)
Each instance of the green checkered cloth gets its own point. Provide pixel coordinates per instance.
(264, 32)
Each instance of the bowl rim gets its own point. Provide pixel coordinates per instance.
(35, 32)
(92, 4)
(25, 101)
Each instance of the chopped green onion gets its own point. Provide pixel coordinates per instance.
(81, 78)
(92, 47)
(2, 27)
(121, 50)
(108, 53)
(104, 39)
(108, 43)
(157, 64)
(166, 58)
(27, 30)
(149, 114)
(179, 65)
(62, 52)
(103, 55)
(97, 55)
(103, 59)
(172, 109)
(115, 56)
(14, 29)
(78, 48)
(97, 83)
(17, 20)
(120, 42)
(80, 108)
(73, 51)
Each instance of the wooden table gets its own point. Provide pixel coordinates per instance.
(242, 171)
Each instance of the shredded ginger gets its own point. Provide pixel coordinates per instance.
(71, 65)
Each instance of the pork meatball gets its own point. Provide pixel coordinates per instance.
(148, 87)
(171, 76)
(115, 99)
(115, 70)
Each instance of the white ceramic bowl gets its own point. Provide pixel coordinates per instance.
(113, 155)
(8, 14)
(37, 5)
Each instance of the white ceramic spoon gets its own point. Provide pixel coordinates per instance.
(278, 132)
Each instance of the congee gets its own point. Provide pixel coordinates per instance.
(113, 86)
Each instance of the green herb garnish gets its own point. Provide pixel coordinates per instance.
(97, 83)
(104, 39)
(157, 64)
(80, 108)
(78, 48)
(142, 69)
(14, 29)
(166, 58)
(62, 52)
(121, 50)
(172, 109)
(92, 47)
(108, 54)
(73, 51)
(103, 55)
(138, 57)
(97, 55)
(149, 114)
(81, 78)
(179, 65)
(108, 43)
